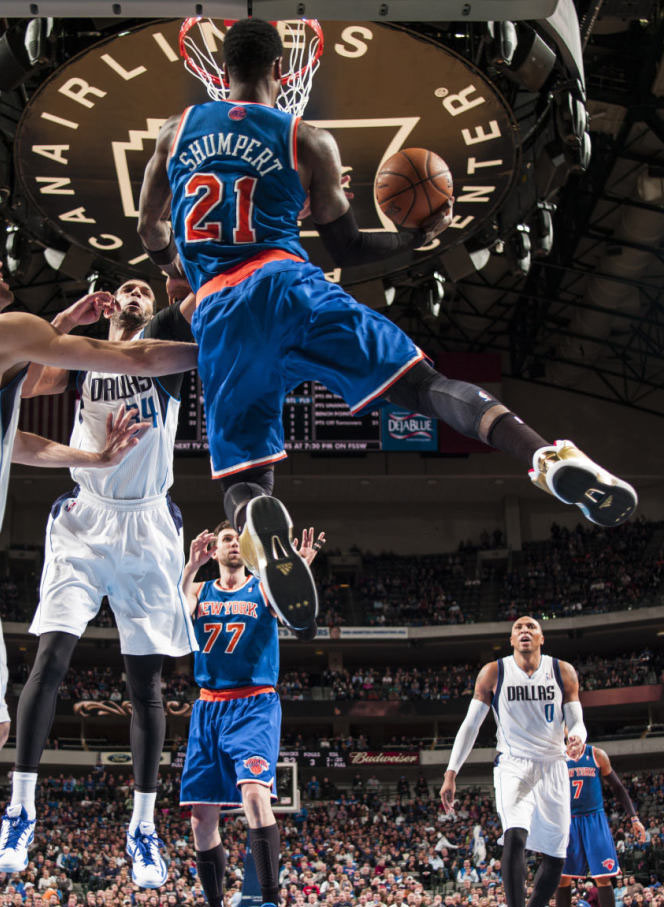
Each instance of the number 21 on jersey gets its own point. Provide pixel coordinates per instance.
(209, 191)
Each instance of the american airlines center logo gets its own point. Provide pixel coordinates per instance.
(88, 132)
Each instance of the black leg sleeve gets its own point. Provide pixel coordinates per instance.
(36, 704)
(241, 488)
(148, 721)
(546, 881)
(514, 866)
(461, 406)
(606, 896)
(265, 848)
(564, 896)
(211, 866)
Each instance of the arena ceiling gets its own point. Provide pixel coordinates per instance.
(588, 316)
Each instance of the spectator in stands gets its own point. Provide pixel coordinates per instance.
(467, 873)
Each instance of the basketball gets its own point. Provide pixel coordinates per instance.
(411, 185)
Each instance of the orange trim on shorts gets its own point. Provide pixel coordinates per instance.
(249, 464)
(238, 273)
(234, 693)
(387, 384)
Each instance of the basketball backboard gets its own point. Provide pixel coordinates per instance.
(352, 10)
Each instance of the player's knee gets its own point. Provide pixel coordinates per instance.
(602, 881)
(257, 805)
(204, 821)
(565, 882)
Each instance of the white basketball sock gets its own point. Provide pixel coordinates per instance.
(144, 804)
(23, 791)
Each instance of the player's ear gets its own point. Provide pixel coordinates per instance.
(277, 68)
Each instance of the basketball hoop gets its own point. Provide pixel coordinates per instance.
(201, 40)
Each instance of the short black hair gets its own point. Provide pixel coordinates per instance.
(250, 48)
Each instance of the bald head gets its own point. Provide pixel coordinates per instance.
(526, 635)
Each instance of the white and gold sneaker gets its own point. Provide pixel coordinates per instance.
(266, 547)
(569, 475)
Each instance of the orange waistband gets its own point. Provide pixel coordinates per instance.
(234, 693)
(238, 273)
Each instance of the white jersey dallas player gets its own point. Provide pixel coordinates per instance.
(533, 697)
(118, 533)
(24, 338)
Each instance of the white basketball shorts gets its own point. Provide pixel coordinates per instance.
(132, 552)
(534, 794)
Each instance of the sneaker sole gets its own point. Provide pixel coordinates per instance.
(11, 868)
(286, 578)
(151, 885)
(606, 501)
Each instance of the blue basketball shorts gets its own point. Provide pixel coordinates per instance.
(591, 847)
(282, 325)
(231, 742)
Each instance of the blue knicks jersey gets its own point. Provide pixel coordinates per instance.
(237, 636)
(585, 784)
(236, 190)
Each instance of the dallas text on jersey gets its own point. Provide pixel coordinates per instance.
(530, 693)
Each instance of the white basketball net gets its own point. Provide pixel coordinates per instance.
(201, 43)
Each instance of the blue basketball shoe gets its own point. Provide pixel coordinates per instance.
(17, 833)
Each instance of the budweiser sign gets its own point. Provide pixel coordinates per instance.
(388, 757)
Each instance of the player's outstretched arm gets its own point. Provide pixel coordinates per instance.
(201, 550)
(122, 434)
(320, 171)
(36, 340)
(572, 711)
(467, 733)
(45, 379)
(154, 204)
(618, 788)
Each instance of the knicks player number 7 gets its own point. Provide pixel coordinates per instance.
(235, 629)
(198, 229)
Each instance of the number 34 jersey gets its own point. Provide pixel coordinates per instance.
(237, 636)
(147, 470)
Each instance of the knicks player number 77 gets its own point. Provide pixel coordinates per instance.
(197, 229)
(235, 629)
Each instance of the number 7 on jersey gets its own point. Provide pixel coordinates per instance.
(235, 629)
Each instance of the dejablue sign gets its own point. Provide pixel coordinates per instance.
(402, 429)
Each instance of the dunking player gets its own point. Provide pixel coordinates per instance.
(25, 337)
(117, 534)
(239, 172)
(533, 697)
(590, 845)
(236, 723)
